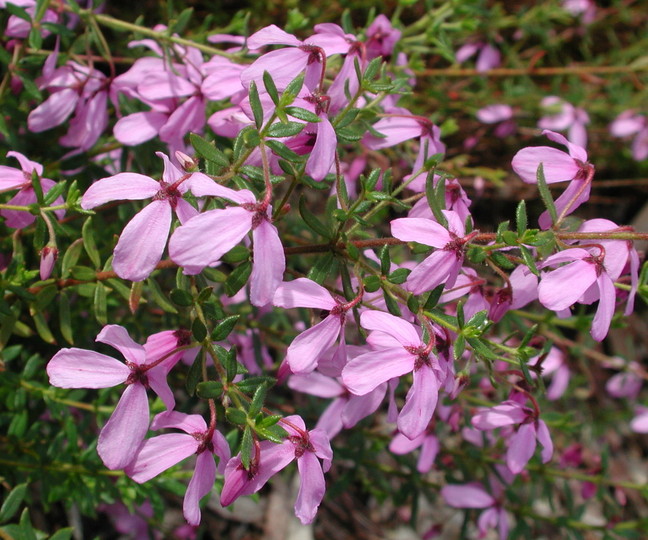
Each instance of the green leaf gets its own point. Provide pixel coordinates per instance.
(224, 328)
(89, 243)
(545, 194)
(246, 447)
(158, 296)
(208, 150)
(181, 297)
(436, 197)
(255, 105)
(283, 151)
(399, 276)
(45, 296)
(413, 303)
(391, 303)
(198, 330)
(312, 221)
(385, 261)
(275, 433)
(238, 278)
(372, 283)
(71, 256)
(209, 390)
(459, 346)
(433, 297)
(480, 349)
(322, 268)
(13, 500)
(521, 218)
(83, 273)
(100, 304)
(257, 401)
(529, 260)
(236, 416)
(42, 327)
(231, 365)
(270, 87)
(289, 129)
(26, 527)
(501, 260)
(195, 373)
(303, 114)
(178, 26)
(55, 192)
(292, 91)
(17, 11)
(63, 534)
(372, 69)
(251, 383)
(65, 321)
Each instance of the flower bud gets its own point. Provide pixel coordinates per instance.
(49, 254)
(188, 163)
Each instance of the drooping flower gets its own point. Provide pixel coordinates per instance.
(159, 453)
(121, 436)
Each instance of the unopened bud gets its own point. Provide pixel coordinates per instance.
(188, 163)
(49, 254)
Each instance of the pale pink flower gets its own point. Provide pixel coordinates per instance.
(499, 114)
(159, 453)
(302, 445)
(488, 58)
(561, 115)
(428, 442)
(443, 265)
(397, 349)
(522, 443)
(121, 436)
(144, 238)
(627, 124)
(639, 424)
(11, 178)
(307, 348)
(204, 239)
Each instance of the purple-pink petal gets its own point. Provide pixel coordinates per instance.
(79, 368)
(557, 166)
(367, 371)
(311, 487)
(563, 286)
(521, 448)
(303, 292)
(53, 111)
(122, 186)
(142, 242)
(189, 423)
(544, 438)
(471, 495)
(160, 453)
(323, 153)
(125, 430)
(200, 484)
(421, 230)
(203, 240)
(402, 331)
(117, 337)
(269, 263)
(605, 310)
(139, 127)
(420, 403)
(307, 348)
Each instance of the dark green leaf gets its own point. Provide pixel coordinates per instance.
(529, 260)
(413, 303)
(231, 366)
(246, 447)
(312, 221)
(208, 150)
(100, 304)
(436, 197)
(13, 500)
(257, 401)
(385, 261)
(521, 218)
(255, 105)
(303, 114)
(181, 297)
(209, 390)
(178, 26)
(65, 321)
(323, 267)
(195, 373)
(501, 260)
(17, 11)
(391, 303)
(399, 276)
(55, 192)
(198, 330)
(251, 383)
(289, 129)
(236, 416)
(83, 273)
(283, 151)
(292, 91)
(89, 243)
(275, 433)
(270, 87)
(238, 278)
(545, 194)
(433, 297)
(224, 328)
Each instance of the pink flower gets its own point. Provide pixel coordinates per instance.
(489, 57)
(522, 444)
(159, 453)
(428, 442)
(558, 166)
(48, 254)
(11, 178)
(305, 447)
(568, 284)
(79, 368)
(639, 424)
(499, 114)
(627, 124)
(561, 115)
(144, 238)
(307, 348)
(397, 350)
(203, 240)
(443, 265)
